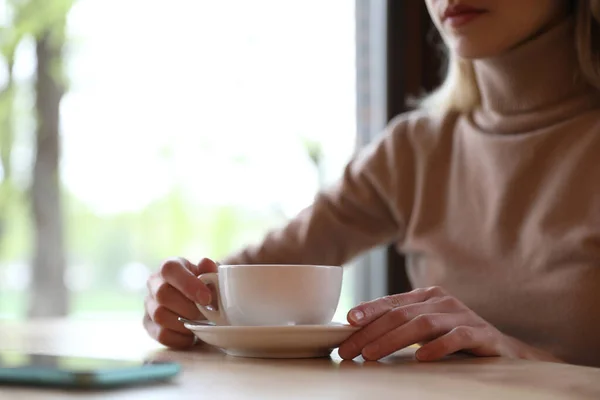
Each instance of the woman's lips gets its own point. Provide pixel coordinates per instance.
(461, 15)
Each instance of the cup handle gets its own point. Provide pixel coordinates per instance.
(216, 316)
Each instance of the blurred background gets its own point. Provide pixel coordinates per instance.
(136, 130)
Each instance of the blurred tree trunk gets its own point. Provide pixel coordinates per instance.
(49, 296)
(7, 135)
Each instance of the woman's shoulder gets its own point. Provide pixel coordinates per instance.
(422, 126)
(409, 136)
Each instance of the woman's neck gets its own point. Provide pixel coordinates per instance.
(537, 74)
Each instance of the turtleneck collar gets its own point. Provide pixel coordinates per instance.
(534, 84)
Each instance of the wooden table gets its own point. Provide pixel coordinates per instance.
(208, 374)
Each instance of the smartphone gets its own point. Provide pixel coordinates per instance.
(27, 369)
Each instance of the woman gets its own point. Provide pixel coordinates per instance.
(491, 189)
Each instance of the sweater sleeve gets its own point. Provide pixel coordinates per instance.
(367, 207)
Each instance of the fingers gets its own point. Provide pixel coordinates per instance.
(425, 327)
(179, 273)
(392, 319)
(367, 312)
(204, 266)
(173, 292)
(172, 299)
(167, 317)
(166, 336)
(480, 339)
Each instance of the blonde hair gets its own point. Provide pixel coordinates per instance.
(459, 91)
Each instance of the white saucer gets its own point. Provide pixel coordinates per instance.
(297, 341)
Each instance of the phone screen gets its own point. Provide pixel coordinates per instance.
(49, 369)
(13, 359)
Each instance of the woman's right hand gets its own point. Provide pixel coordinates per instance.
(173, 292)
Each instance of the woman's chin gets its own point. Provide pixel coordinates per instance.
(474, 49)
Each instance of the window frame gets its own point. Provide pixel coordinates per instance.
(398, 58)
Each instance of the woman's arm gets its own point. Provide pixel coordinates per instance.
(367, 207)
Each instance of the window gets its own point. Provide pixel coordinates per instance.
(189, 128)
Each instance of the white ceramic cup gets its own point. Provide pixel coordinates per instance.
(274, 294)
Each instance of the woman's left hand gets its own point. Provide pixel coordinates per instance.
(433, 317)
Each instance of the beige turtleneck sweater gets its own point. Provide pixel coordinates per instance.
(501, 207)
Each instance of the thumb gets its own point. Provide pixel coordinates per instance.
(207, 265)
